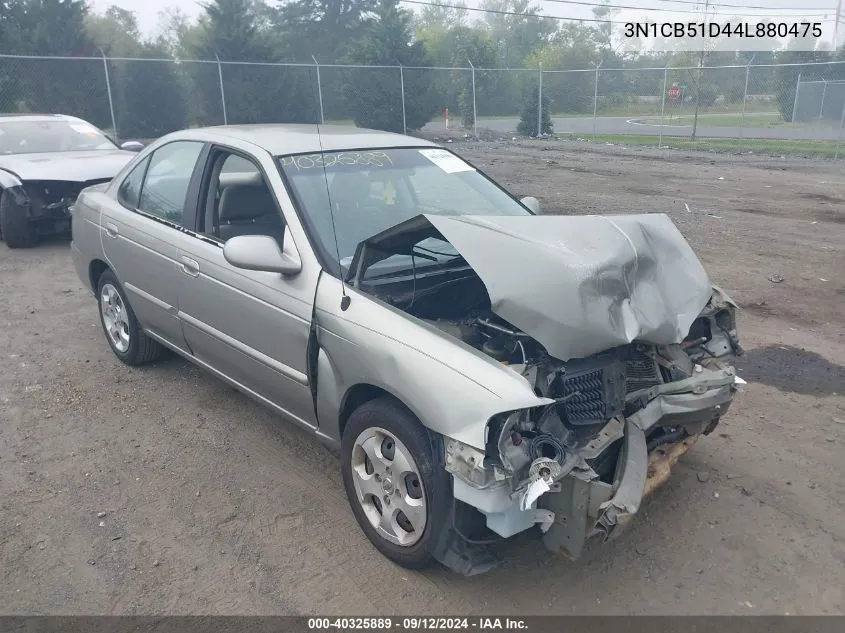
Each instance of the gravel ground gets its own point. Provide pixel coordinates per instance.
(162, 491)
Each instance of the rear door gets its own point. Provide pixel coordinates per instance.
(144, 229)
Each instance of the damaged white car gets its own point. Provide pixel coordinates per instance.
(45, 161)
(484, 370)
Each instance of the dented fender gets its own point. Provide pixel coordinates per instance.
(452, 388)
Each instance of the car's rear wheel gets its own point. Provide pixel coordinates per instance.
(15, 227)
(123, 333)
(399, 493)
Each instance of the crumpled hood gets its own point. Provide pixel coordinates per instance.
(67, 166)
(578, 284)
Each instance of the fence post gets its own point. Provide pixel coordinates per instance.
(108, 90)
(540, 104)
(744, 100)
(596, 99)
(474, 110)
(839, 136)
(319, 90)
(662, 108)
(795, 101)
(222, 92)
(402, 87)
(824, 91)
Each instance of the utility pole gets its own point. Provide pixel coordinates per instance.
(836, 25)
(700, 73)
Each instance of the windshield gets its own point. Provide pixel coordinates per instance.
(33, 137)
(373, 190)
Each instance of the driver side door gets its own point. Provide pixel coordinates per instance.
(251, 326)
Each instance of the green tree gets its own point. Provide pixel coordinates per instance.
(517, 36)
(374, 96)
(573, 48)
(10, 85)
(54, 27)
(323, 28)
(115, 32)
(527, 125)
(476, 46)
(150, 98)
(808, 64)
(239, 31)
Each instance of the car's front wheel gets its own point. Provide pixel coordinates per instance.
(123, 332)
(15, 227)
(399, 492)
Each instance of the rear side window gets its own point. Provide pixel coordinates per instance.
(166, 182)
(130, 189)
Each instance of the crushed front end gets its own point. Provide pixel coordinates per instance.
(614, 325)
(580, 467)
(49, 204)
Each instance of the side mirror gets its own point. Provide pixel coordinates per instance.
(261, 252)
(532, 203)
(132, 146)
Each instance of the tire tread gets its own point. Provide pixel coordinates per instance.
(142, 348)
(17, 230)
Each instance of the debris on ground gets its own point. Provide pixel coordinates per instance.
(775, 278)
(703, 476)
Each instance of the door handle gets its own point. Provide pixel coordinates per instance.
(190, 266)
(111, 229)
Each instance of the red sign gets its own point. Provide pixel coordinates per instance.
(674, 93)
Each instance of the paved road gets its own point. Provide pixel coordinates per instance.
(648, 125)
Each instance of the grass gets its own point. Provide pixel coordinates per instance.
(719, 120)
(771, 147)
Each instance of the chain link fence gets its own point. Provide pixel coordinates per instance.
(787, 108)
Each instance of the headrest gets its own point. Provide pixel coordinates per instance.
(246, 202)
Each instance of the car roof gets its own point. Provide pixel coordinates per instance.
(35, 118)
(280, 139)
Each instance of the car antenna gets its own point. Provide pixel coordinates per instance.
(345, 299)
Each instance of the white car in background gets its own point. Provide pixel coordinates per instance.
(45, 161)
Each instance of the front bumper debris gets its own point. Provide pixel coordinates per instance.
(579, 505)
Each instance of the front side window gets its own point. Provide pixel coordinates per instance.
(375, 189)
(239, 202)
(168, 177)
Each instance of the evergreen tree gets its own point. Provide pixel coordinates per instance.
(150, 99)
(233, 30)
(54, 27)
(374, 95)
(530, 110)
(323, 28)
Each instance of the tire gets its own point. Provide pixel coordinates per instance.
(15, 227)
(120, 325)
(386, 424)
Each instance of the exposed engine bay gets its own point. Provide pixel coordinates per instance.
(588, 391)
(629, 351)
(583, 433)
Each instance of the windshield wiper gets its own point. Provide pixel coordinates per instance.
(429, 250)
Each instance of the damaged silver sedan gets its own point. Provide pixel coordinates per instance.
(484, 370)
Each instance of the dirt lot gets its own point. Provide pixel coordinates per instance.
(213, 505)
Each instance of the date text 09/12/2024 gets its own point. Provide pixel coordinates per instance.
(712, 30)
(416, 624)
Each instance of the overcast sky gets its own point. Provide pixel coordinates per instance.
(148, 10)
